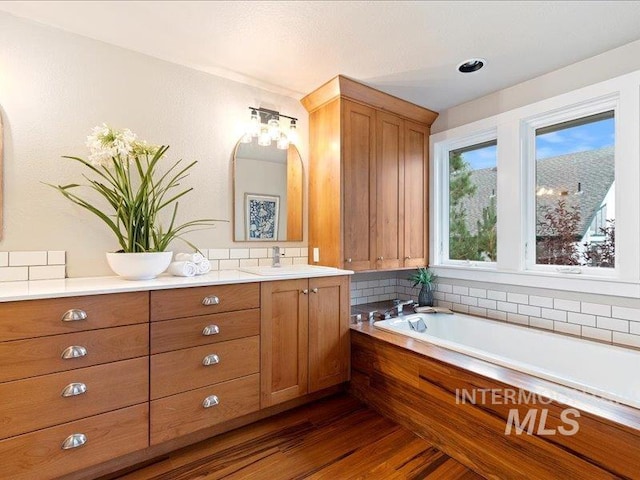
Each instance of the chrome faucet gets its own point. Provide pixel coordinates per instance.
(276, 257)
(398, 308)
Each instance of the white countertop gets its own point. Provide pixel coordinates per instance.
(72, 287)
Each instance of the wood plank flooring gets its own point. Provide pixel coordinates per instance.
(337, 438)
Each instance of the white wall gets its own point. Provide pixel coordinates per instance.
(55, 86)
(607, 65)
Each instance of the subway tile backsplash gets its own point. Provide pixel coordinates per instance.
(32, 265)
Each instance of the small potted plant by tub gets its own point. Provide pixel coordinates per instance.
(426, 278)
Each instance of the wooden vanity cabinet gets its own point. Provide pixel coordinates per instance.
(304, 337)
(368, 178)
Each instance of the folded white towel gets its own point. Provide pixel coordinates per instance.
(183, 269)
(195, 257)
(203, 267)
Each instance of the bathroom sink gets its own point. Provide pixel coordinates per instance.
(284, 270)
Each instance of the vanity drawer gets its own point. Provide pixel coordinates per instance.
(201, 330)
(40, 356)
(39, 455)
(188, 302)
(181, 414)
(38, 402)
(181, 370)
(39, 318)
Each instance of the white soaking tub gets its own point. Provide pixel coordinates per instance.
(604, 370)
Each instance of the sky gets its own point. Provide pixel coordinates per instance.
(569, 140)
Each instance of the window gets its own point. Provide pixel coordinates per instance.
(472, 203)
(575, 191)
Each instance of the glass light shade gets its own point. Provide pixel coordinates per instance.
(293, 133)
(254, 124)
(274, 128)
(246, 138)
(283, 142)
(264, 139)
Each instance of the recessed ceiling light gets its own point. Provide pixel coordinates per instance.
(471, 65)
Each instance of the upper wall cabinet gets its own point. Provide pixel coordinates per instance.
(368, 178)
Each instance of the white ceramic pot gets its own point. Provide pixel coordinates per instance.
(139, 266)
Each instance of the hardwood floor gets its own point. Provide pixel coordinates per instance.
(337, 438)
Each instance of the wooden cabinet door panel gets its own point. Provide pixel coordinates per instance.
(328, 332)
(359, 186)
(416, 194)
(389, 217)
(284, 340)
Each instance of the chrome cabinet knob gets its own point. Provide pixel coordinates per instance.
(74, 441)
(348, 260)
(74, 351)
(305, 291)
(212, 359)
(407, 258)
(210, 300)
(314, 290)
(74, 389)
(210, 401)
(380, 258)
(74, 315)
(210, 330)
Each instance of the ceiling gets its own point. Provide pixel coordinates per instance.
(407, 48)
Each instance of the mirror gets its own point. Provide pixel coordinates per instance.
(267, 193)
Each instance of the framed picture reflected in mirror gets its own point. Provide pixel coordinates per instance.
(262, 214)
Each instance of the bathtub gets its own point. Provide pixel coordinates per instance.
(603, 370)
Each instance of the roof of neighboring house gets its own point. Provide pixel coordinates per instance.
(559, 177)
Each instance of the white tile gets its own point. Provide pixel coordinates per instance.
(519, 319)
(379, 291)
(47, 272)
(568, 328)
(286, 261)
(265, 262)
(292, 252)
(203, 251)
(367, 292)
(391, 290)
(218, 253)
(258, 253)
(484, 303)
(4, 259)
(496, 315)
(456, 307)
(21, 259)
(438, 295)
(541, 301)
(634, 327)
(496, 295)
(304, 252)
(248, 262)
(616, 324)
(626, 339)
(443, 287)
(507, 307)
(229, 264)
(473, 301)
(541, 323)
(300, 260)
(56, 257)
(557, 315)
(442, 304)
(215, 265)
(529, 310)
(569, 305)
(597, 334)
(458, 290)
(14, 274)
(480, 312)
(518, 298)
(478, 292)
(626, 313)
(596, 309)
(356, 293)
(582, 319)
(239, 253)
(450, 297)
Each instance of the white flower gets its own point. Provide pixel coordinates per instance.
(106, 144)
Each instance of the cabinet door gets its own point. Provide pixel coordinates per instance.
(389, 213)
(328, 332)
(359, 186)
(284, 338)
(416, 194)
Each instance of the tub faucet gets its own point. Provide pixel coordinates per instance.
(398, 308)
(276, 257)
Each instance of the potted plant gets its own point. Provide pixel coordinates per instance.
(126, 173)
(426, 278)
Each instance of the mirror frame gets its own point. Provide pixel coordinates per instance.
(233, 199)
(1, 178)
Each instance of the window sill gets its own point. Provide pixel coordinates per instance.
(548, 280)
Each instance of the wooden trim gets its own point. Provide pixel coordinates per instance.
(347, 88)
(1, 176)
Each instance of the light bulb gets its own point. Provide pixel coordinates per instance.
(254, 124)
(283, 142)
(293, 133)
(264, 139)
(274, 128)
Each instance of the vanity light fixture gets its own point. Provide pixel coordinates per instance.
(471, 65)
(267, 125)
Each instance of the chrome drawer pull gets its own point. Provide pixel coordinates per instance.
(210, 401)
(314, 290)
(305, 291)
(74, 389)
(74, 315)
(210, 330)
(211, 300)
(210, 360)
(74, 351)
(74, 441)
